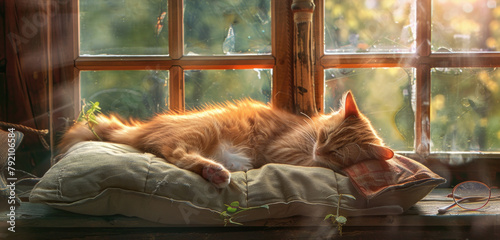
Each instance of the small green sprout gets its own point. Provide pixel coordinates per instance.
(340, 220)
(89, 116)
(235, 208)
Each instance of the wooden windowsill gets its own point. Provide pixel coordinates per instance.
(422, 218)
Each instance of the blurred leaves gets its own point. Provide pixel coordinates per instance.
(466, 25)
(138, 94)
(212, 86)
(370, 26)
(122, 27)
(464, 109)
(227, 27)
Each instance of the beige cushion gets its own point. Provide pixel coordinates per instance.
(99, 178)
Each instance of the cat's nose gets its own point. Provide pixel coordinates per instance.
(318, 153)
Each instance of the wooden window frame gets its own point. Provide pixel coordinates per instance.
(279, 59)
(423, 60)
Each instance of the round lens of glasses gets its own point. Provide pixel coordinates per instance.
(471, 195)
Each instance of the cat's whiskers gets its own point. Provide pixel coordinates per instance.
(310, 124)
(305, 115)
(308, 137)
(306, 133)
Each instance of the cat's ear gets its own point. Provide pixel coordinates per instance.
(380, 152)
(350, 107)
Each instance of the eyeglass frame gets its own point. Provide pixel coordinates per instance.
(457, 202)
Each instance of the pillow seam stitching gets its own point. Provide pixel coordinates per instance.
(246, 185)
(147, 176)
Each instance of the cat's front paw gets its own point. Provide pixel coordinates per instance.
(217, 175)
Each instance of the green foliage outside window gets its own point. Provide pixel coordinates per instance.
(464, 109)
(225, 27)
(122, 27)
(138, 94)
(471, 25)
(369, 26)
(215, 86)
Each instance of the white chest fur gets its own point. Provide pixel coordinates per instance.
(232, 157)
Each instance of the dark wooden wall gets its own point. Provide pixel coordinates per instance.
(29, 30)
(3, 62)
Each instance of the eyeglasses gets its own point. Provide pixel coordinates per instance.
(470, 195)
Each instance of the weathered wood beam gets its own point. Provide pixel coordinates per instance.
(303, 62)
(282, 42)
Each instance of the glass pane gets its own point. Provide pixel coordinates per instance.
(137, 94)
(464, 109)
(219, 27)
(465, 25)
(124, 27)
(211, 86)
(372, 26)
(384, 95)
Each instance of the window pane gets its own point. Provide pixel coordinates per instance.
(124, 27)
(465, 25)
(219, 27)
(137, 94)
(464, 109)
(370, 26)
(211, 86)
(385, 96)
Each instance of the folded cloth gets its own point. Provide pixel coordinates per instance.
(374, 177)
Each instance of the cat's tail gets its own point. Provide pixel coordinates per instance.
(106, 130)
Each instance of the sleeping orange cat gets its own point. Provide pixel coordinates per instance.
(245, 135)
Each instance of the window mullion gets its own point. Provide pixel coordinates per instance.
(226, 62)
(176, 30)
(423, 38)
(453, 60)
(75, 8)
(176, 89)
(319, 69)
(303, 57)
(422, 113)
(76, 29)
(368, 60)
(423, 81)
(282, 51)
(176, 51)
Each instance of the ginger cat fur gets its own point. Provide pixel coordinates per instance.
(244, 135)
